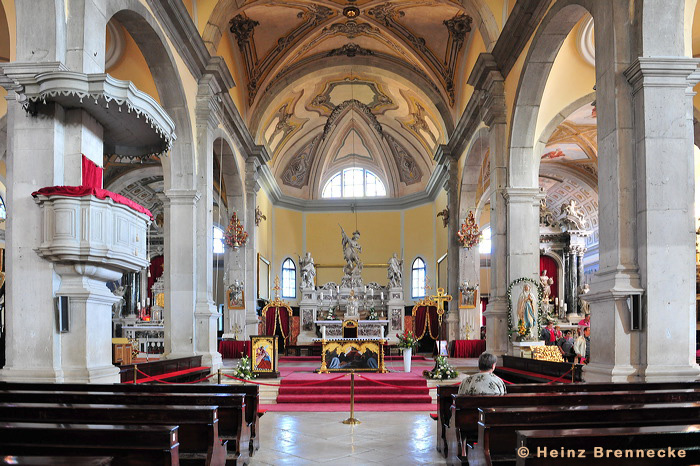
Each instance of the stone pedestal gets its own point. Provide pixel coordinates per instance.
(395, 313)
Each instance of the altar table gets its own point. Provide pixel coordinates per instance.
(468, 348)
(234, 349)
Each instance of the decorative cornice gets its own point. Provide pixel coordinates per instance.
(340, 109)
(661, 72)
(521, 24)
(350, 50)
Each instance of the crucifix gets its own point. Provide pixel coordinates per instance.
(441, 298)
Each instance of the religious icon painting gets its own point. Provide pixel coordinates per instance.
(524, 304)
(307, 320)
(235, 298)
(263, 359)
(348, 355)
(467, 299)
(396, 316)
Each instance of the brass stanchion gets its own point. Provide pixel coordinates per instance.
(573, 372)
(218, 378)
(351, 419)
(135, 373)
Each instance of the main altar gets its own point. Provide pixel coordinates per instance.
(377, 309)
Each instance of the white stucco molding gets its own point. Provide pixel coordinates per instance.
(135, 125)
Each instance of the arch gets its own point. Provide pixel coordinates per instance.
(232, 174)
(289, 278)
(178, 166)
(523, 164)
(476, 151)
(417, 277)
(132, 176)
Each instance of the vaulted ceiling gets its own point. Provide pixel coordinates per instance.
(334, 83)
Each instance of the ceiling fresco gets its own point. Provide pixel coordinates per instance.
(325, 90)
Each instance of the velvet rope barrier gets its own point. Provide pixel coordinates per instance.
(150, 378)
(278, 385)
(398, 386)
(562, 377)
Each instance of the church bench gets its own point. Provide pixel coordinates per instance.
(183, 369)
(445, 392)
(249, 434)
(529, 369)
(498, 426)
(230, 406)
(198, 425)
(582, 442)
(464, 410)
(129, 445)
(57, 461)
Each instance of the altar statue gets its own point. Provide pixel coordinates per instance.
(308, 271)
(352, 310)
(351, 252)
(117, 307)
(394, 272)
(547, 283)
(527, 308)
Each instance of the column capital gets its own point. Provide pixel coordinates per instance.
(252, 177)
(182, 196)
(522, 195)
(663, 72)
(487, 79)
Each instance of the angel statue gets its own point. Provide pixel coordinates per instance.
(351, 252)
(308, 271)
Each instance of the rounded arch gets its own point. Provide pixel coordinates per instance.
(523, 164)
(178, 166)
(132, 176)
(231, 173)
(417, 283)
(476, 151)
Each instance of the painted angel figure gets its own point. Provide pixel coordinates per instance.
(352, 250)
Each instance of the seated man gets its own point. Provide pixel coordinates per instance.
(485, 382)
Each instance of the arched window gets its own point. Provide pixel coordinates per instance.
(354, 182)
(218, 243)
(3, 211)
(289, 279)
(485, 244)
(418, 278)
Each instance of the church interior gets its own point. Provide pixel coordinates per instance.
(241, 220)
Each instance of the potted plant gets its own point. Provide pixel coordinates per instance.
(443, 370)
(243, 370)
(407, 341)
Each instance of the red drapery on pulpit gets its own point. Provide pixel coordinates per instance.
(92, 174)
(277, 317)
(426, 320)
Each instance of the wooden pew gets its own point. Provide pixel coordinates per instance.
(445, 392)
(249, 434)
(657, 438)
(182, 369)
(57, 461)
(230, 412)
(198, 425)
(498, 426)
(465, 408)
(129, 445)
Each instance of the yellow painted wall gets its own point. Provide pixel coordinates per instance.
(570, 79)
(132, 67)
(287, 242)
(237, 92)
(264, 230)
(476, 47)
(496, 7)
(440, 231)
(696, 50)
(419, 241)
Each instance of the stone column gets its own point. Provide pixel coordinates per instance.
(180, 266)
(581, 273)
(206, 314)
(571, 282)
(663, 115)
(252, 186)
(613, 348)
(487, 79)
(469, 272)
(453, 248)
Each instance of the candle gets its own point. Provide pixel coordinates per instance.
(337, 289)
(382, 296)
(148, 301)
(381, 332)
(365, 288)
(564, 307)
(322, 296)
(323, 332)
(556, 301)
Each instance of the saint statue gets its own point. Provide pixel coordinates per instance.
(351, 253)
(583, 306)
(394, 272)
(352, 310)
(547, 283)
(308, 271)
(117, 307)
(573, 215)
(527, 308)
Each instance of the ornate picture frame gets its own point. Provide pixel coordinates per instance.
(467, 300)
(234, 299)
(515, 303)
(264, 358)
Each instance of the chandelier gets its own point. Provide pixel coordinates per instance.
(468, 234)
(235, 235)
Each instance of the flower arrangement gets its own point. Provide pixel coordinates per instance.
(407, 340)
(235, 236)
(443, 370)
(372, 314)
(243, 369)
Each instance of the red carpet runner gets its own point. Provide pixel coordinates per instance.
(394, 388)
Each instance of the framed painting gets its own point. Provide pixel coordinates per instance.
(467, 299)
(352, 355)
(235, 298)
(263, 278)
(263, 361)
(442, 272)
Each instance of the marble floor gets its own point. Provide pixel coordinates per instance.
(315, 438)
